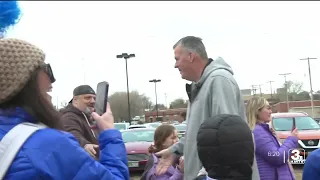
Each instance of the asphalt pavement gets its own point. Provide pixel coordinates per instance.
(297, 170)
(135, 176)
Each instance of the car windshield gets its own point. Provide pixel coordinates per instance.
(120, 126)
(138, 136)
(181, 127)
(302, 123)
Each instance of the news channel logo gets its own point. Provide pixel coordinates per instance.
(297, 156)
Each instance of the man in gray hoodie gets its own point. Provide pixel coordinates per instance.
(213, 91)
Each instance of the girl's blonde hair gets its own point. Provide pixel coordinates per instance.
(254, 105)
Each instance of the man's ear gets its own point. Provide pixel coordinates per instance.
(191, 57)
(75, 98)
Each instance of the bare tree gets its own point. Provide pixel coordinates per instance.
(316, 95)
(119, 104)
(294, 86)
(304, 95)
(295, 92)
(178, 103)
(160, 107)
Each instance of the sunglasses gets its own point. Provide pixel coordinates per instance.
(48, 71)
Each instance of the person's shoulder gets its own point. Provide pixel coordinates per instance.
(260, 132)
(217, 78)
(314, 157)
(68, 114)
(258, 128)
(48, 138)
(70, 117)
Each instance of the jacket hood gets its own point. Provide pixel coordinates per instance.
(217, 64)
(213, 65)
(218, 140)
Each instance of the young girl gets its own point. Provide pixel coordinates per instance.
(164, 136)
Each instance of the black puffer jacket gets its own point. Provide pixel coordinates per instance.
(225, 148)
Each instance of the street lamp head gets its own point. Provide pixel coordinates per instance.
(284, 74)
(126, 55)
(155, 80)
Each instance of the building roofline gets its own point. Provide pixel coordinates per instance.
(284, 102)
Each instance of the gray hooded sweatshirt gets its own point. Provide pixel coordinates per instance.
(217, 92)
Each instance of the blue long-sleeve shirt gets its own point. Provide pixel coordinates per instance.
(311, 169)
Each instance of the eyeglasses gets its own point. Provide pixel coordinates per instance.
(48, 70)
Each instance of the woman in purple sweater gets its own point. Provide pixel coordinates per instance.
(272, 156)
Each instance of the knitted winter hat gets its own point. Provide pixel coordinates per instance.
(18, 60)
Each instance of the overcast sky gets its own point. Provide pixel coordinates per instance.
(258, 39)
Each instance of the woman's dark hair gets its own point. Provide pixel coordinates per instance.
(31, 100)
(160, 135)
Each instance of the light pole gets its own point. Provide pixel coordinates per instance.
(126, 56)
(165, 97)
(285, 81)
(270, 82)
(311, 90)
(253, 89)
(259, 88)
(155, 81)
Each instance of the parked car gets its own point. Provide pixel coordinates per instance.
(309, 129)
(317, 119)
(137, 142)
(181, 128)
(154, 124)
(175, 122)
(140, 126)
(121, 126)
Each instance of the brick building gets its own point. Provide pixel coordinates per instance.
(282, 106)
(174, 114)
(164, 115)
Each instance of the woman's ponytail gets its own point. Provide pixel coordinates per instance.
(152, 149)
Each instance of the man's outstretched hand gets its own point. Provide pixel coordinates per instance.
(165, 161)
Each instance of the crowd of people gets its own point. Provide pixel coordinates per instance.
(223, 140)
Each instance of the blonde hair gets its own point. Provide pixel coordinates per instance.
(254, 105)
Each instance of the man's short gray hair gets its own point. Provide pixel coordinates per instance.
(193, 44)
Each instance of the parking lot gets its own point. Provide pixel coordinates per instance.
(297, 169)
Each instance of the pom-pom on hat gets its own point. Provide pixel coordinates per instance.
(18, 60)
(9, 15)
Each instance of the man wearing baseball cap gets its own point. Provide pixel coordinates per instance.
(76, 118)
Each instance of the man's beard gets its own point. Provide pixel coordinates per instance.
(88, 110)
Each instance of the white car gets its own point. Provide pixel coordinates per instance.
(121, 126)
(154, 124)
(140, 126)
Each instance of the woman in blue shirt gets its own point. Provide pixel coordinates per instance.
(25, 80)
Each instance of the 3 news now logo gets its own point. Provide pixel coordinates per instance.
(297, 156)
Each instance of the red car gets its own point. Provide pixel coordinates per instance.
(309, 129)
(137, 142)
